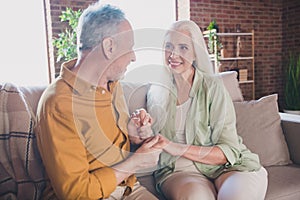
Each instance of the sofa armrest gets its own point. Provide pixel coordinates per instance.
(291, 128)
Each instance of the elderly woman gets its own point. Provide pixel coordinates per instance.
(203, 158)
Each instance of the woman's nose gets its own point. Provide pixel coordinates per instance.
(173, 54)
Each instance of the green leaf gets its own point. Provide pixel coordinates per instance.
(292, 83)
(65, 43)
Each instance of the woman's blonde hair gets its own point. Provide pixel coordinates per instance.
(202, 60)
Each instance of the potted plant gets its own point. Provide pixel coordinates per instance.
(213, 41)
(65, 43)
(292, 85)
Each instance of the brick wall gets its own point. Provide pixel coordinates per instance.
(291, 27)
(276, 26)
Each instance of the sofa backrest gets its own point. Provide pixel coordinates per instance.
(135, 93)
(33, 95)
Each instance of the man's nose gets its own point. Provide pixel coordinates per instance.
(133, 57)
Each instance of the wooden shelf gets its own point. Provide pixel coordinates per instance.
(249, 81)
(234, 34)
(216, 59)
(236, 58)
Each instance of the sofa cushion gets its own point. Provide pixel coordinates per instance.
(283, 182)
(135, 95)
(232, 85)
(291, 125)
(258, 123)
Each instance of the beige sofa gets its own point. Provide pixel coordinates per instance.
(278, 144)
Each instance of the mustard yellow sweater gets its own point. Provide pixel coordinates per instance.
(79, 139)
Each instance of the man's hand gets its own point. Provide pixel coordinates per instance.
(147, 155)
(139, 126)
(144, 158)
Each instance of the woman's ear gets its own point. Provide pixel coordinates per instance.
(108, 47)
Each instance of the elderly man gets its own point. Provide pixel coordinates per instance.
(82, 121)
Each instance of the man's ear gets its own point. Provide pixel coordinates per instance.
(108, 45)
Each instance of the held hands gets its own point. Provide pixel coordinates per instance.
(139, 126)
(144, 158)
(147, 154)
(175, 149)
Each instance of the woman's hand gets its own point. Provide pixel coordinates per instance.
(175, 149)
(139, 126)
(211, 155)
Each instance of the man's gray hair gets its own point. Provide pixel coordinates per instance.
(95, 23)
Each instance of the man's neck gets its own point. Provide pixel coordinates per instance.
(89, 70)
(104, 84)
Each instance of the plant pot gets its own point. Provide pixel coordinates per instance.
(295, 112)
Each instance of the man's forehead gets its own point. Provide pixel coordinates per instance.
(125, 26)
(124, 30)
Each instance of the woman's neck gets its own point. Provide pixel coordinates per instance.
(184, 83)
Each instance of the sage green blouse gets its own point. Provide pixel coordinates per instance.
(210, 121)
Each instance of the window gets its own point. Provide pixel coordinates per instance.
(150, 20)
(24, 54)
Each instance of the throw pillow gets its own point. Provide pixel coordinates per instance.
(231, 83)
(258, 123)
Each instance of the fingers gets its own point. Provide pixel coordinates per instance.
(141, 117)
(135, 121)
(136, 118)
(147, 119)
(135, 140)
(145, 131)
(143, 114)
(148, 143)
(139, 112)
(148, 139)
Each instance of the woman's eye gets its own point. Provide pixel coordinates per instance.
(168, 47)
(184, 47)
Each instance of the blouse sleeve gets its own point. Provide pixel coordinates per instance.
(223, 123)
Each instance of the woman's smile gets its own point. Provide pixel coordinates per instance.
(174, 64)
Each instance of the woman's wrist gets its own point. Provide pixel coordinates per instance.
(177, 149)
